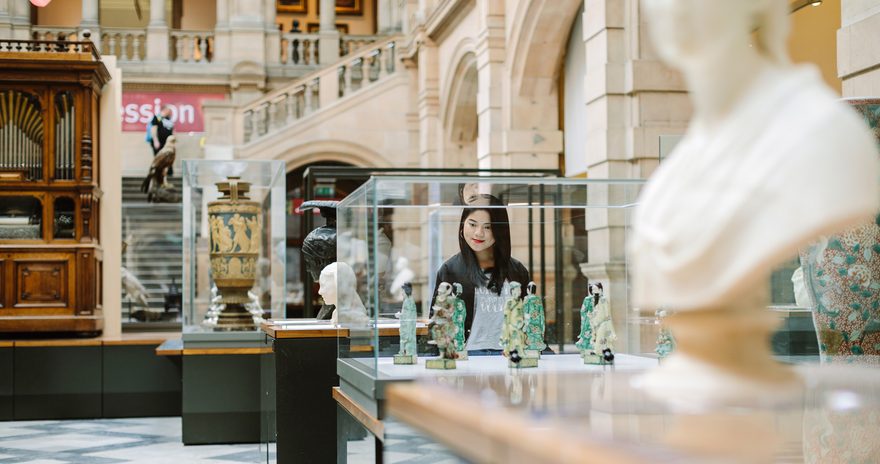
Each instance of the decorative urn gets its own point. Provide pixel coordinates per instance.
(236, 226)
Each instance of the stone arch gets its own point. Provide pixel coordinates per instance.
(459, 111)
(540, 36)
(332, 150)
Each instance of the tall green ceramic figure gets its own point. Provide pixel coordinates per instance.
(458, 316)
(407, 354)
(534, 315)
(583, 342)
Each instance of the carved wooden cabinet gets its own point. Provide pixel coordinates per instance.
(50, 252)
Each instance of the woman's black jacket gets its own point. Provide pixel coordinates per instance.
(454, 270)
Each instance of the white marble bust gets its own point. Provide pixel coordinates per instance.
(338, 286)
(771, 160)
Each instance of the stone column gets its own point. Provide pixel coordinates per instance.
(5, 19)
(157, 35)
(631, 99)
(89, 15)
(247, 49)
(858, 50)
(429, 107)
(21, 19)
(383, 16)
(328, 35)
(490, 83)
(221, 33)
(273, 36)
(90, 21)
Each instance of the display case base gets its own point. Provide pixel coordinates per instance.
(523, 363)
(404, 359)
(440, 364)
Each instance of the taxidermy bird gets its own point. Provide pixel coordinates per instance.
(159, 169)
(134, 289)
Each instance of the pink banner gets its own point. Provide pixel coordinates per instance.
(186, 109)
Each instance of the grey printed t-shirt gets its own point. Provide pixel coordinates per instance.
(488, 318)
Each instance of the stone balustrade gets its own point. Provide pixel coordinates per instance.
(191, 46)
(54, 33)
(303, 96)
(299, 49)
(128, 45)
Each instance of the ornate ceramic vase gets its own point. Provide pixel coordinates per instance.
(236, 225)
(842, 277)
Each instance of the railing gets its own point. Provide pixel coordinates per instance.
(302, 49)
(50, 46)
(304, 95)
(125, 44)
(53, 33)
(350, 43)
(299, 49)
(192, 46)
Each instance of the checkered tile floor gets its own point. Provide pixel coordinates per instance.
(111, 441)
(158, 441)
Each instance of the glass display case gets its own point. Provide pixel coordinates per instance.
(152, 265)
(233, 244)
(564, 233)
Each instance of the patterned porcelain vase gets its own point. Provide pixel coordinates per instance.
(842, 277)
(236, 226)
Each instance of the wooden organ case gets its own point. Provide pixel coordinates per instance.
(50, 252)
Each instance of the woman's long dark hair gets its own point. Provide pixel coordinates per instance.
(500, 249)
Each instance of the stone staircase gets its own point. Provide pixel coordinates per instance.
(313, 92)
(154, 236)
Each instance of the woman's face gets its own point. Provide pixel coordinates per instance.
(477, 231)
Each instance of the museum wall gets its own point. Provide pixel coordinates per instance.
(363, 24)
(67, 13)
(813, 39)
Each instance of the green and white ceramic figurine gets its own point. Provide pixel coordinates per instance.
(458, 315)
(586, 334)
(602, 327)
(407, 354)
(535, 325)
(443, 329)
(665, 342)
(513, 331)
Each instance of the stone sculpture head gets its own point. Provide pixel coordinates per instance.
(338, 286)
(688, 33)
(515, 289)
(531, 288)
(319, 247)
(407, 288)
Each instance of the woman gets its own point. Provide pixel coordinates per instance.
(485, 269)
